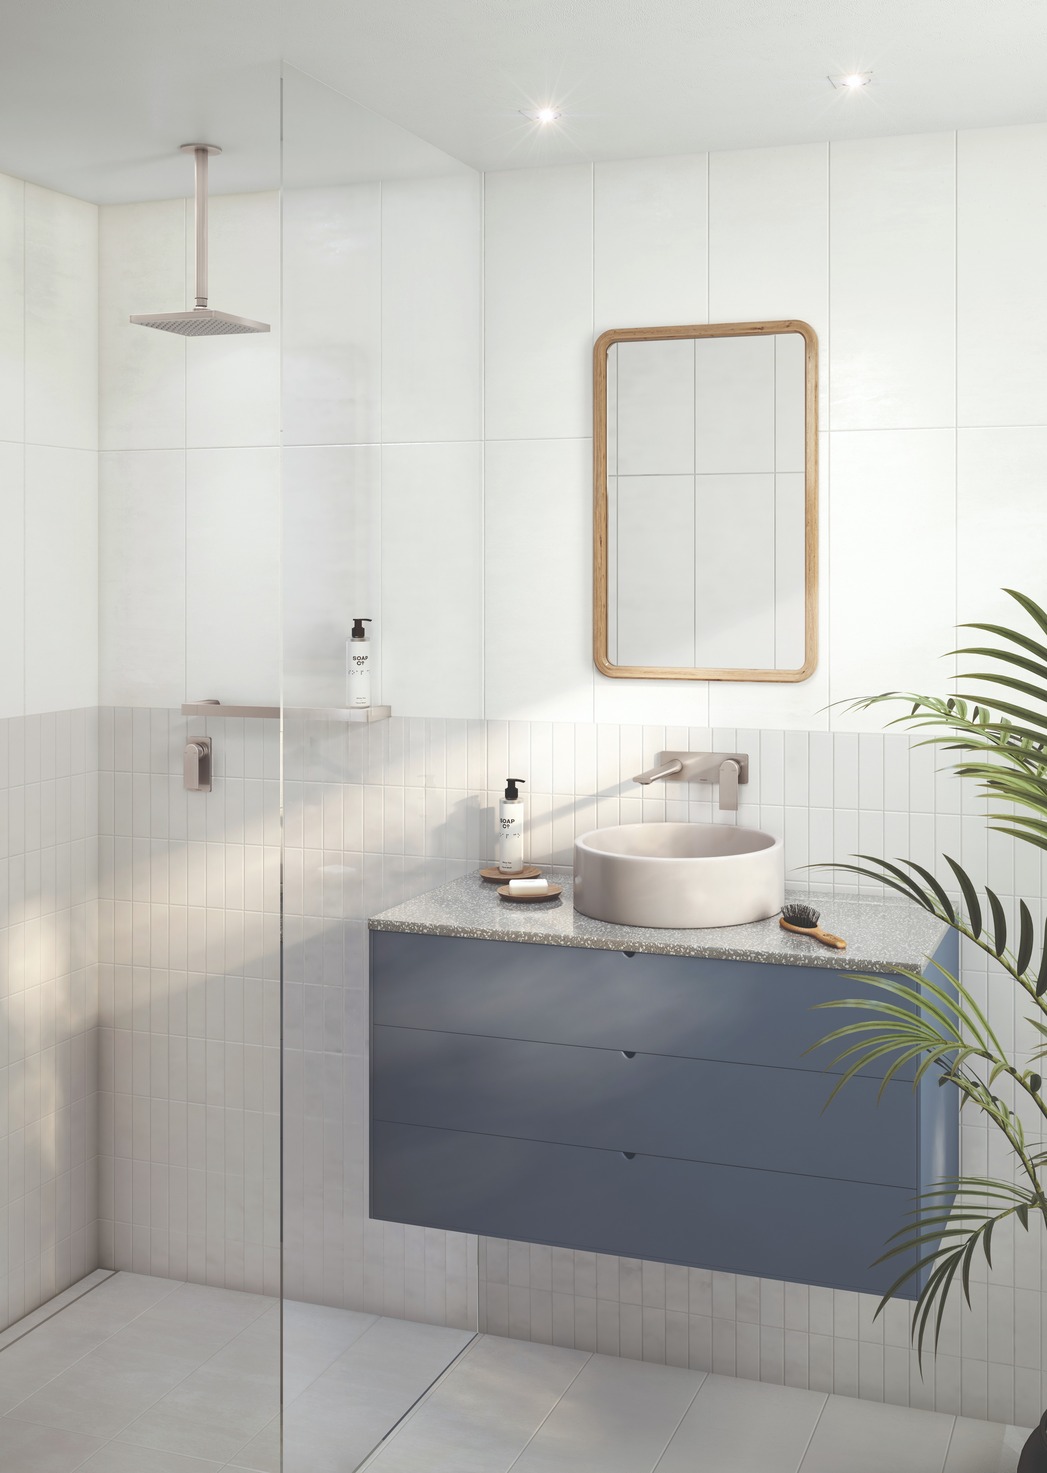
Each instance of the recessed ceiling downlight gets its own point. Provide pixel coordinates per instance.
(851, 81)
(541, 115)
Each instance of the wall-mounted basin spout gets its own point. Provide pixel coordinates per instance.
(667, 769)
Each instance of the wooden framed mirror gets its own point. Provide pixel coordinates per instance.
(705, 508)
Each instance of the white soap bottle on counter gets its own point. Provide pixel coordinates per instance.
(511, 829)
(358, 667)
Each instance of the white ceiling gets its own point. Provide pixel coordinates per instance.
(95, 95)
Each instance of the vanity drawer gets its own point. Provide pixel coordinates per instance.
(739, 1011)
(806, 1229)
(696, 1109)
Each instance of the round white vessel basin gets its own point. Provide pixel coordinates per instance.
(678, 875)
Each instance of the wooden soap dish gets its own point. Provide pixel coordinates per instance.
(550, 894)
(499, 876)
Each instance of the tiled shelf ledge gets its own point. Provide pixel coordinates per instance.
(307, 713)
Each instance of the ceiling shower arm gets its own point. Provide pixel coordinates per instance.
(201, 226)
(200, 152)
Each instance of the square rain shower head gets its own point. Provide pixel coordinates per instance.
(200, 322)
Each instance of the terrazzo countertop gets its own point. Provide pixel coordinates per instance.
(881, 936)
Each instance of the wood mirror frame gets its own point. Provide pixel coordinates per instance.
(601, 651)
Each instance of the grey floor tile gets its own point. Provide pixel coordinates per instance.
(26, 1447)
(224, 1309)
(40, 1356)
(117, 1457)
(262, 1453)
(211, 1414)
(869, 1437)
(483, 1414)
(314, 1338)
(117, 1302)
(191, 1326)
(59, 1302)
(744, 1427)
(104, 1390)
(346, 1412)
(617, 1417)
(984, 1447)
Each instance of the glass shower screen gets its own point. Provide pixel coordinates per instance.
(373, 1311)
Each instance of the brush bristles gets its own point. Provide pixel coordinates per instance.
(798, 914)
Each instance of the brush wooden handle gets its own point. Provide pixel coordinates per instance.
(816, 933)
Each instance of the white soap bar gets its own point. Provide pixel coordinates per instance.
(529, 887)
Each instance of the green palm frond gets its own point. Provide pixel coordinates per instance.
(951, 1223)
(914, 1017)
(996, 738)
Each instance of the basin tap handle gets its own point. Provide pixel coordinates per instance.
(729, 774)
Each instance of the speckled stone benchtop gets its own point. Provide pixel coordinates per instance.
(881, 935)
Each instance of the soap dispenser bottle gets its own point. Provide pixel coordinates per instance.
(511, 829)
(358, 667)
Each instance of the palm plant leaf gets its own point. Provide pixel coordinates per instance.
(957, 1218)
(995, 738)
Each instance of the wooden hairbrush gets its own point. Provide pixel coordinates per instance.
(803, 919)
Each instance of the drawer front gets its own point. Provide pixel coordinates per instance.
(804, 1229)
(699, 1110)
(739, 1011)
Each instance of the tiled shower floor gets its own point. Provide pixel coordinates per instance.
(145, 1375)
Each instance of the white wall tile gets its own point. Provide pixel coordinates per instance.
(1001, 289)
(12, 308)
(142, 568)
(61, 578)
(892, 259)
(538, 308)
(232, 560)
(537, 580)
(331, 517)
(61, 320)
(432, 619)
(685, 702)
(649, 247)
(757, 196)
(331, 241)
(892, 566)
(232, 384)
(141, 268)
(1001, 521)
(12, 581)
(431, 298)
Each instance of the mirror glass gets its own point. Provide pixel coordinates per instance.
(707, 504)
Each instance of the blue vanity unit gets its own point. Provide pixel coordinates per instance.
(541, 1076)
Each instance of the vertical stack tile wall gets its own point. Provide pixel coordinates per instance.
(189, 1005)
(48, 762)
(48, 1006)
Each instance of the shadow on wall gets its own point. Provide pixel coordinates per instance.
(48, 985)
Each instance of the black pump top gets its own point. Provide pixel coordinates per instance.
(511, 790)
(358, 628)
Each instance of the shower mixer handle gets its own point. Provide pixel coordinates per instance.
(196, 765)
